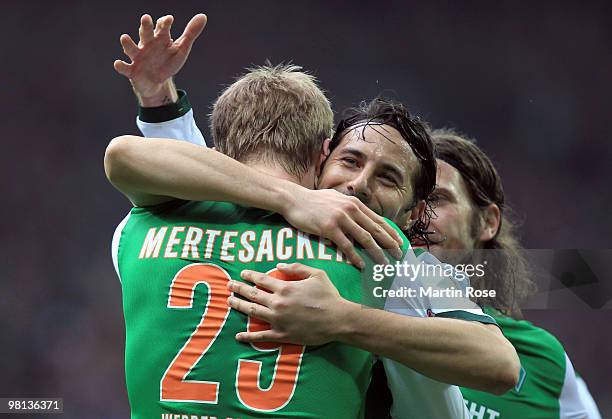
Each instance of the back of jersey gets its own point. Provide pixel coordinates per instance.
(182, 358)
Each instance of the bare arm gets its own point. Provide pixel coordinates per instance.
(312, 312)
(464, 353)
(152, 171)
(157, 170)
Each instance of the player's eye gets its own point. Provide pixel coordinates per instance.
(349, 161)
(389, 180)
(439, 198)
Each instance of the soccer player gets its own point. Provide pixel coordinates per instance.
(176, 257)
(471, 226)
(434, 362)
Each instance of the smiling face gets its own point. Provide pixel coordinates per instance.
(375, 164)
(454, 221)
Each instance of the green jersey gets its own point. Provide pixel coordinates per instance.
(546, 386)
(181, 356)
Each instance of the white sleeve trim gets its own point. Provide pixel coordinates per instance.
(587, 400)
(115, 244)
(182, 128)
(570, 404)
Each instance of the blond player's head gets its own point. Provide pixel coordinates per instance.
(275, 114)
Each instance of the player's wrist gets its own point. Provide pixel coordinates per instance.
(163, 94)
(165, 113)
(344, 322)
(284, 199)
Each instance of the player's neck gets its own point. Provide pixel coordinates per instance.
(278, 172)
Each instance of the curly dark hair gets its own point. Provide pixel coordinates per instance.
(383, 111)
(508, 272)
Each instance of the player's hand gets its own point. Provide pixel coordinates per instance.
(157, 58)
(338, 217)
(302, 310)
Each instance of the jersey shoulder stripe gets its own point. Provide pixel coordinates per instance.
(469, 315)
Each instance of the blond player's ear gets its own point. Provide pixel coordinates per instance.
(324, 154)
(326, 144)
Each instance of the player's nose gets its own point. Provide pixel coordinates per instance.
(360, 187)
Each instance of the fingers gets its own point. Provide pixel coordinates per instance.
(397, 237)
(380, 230)
(347, 248)
(252, 293)
(250, 309)
(129, 46)
(162, 28)
(361, 236)
(193, 29)
(297, 270)
(265, 335)
(366, 240)
(123, 68)
(262, 280)
(146, 29)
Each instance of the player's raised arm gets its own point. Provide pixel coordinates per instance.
(153, 171)
(163, 111)
(157, 58)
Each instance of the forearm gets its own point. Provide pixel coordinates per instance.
(185, 171)
(454, 351)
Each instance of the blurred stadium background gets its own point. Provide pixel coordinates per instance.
(532, 81)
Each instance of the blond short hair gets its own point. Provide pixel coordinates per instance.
(273, 113)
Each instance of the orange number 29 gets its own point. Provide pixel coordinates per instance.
(174, 386)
